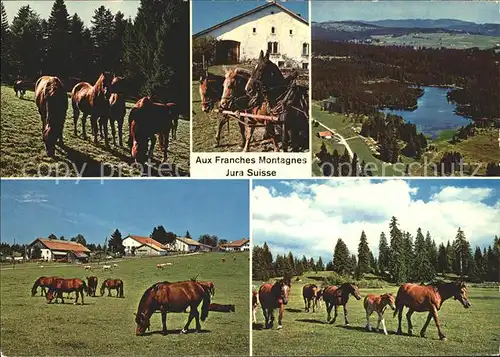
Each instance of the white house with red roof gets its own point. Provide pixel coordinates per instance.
(55, 249)
(240, 245)
(143, 246)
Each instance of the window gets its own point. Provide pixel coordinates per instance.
(254, 30)
(291, 32)
(273, 30)
(273, 48)
(305, 65)
(305, 49)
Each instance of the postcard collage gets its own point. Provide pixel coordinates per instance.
(250, 178)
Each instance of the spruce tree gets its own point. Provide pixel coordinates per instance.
(383, 254)
(443, 266)
(423, 270)
(398, 258)
(363, 256)
(5, 45)
(102, 35)
(58, 41)
(341, 258)
(462, 253)
(319, 265)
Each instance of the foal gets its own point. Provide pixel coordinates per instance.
(378, 304)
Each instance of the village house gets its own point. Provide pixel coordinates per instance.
(241, 245)
(137, 245)
(190, 245)
(325, 134)
(267, 27)
(54, 249)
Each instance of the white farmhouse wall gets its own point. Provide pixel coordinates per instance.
(146, 250)
(129, 243)
(289, 45)
(46, 254)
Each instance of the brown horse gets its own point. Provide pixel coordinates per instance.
(146, 119)
(281, 97)
(60, 286)
(172, 297)
(210, 89)
(43, 282)
(339, 295)
(174, 112)
(52, 103)
(274, 296)
(310, 294)
(378, 303)
(116, 111)
(422, 298)
(20, 88)
(93, 100)
(112, 284)
(209, 286)
(92, 285)
(221, 308)
(255, 305)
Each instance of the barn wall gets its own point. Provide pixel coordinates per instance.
(252, 43)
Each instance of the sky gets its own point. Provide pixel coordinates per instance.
(37, 208)
(307, 217)
(207, 13)
(474, 11)
(84, 9)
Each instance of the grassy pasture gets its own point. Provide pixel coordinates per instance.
(470, 332)
(438, 40)
(23, 152)
(106, 325)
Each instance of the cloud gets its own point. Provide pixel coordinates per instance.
(310, 219)
(31, 197)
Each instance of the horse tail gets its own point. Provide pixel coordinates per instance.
(131, 118)
(85, 287)
(205, 306)
(121, 289)
(398, 302)
(35, 286)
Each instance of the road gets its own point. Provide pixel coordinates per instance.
(343, 141)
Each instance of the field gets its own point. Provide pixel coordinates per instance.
(23, 152)
(438, 40)
(470, 332)
(106, 325)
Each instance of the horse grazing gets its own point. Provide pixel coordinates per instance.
(43, 282)
(112, 284)
(273, 93)
(20, 88)
(209, 286)
(146, 119)
(378, 304)
(221, 308)
(339, 295)
(60, 286)
(421, 298)
(52, 103)
(160, 266)
(172, 297)
(93, 100)
(116, 111)
(310, 294)
(255, 305)
(274, 296)
(92, 285)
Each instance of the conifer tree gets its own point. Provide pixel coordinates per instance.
(383, 253)
(363, 256)
(341, 258)
(58, 41)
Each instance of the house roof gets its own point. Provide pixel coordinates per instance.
(154, 247)
(236, 244)
(253, 11)
(148, 241)
(325, 133)
(62, 245)
(189, 241)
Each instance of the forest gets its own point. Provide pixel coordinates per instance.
(351, 74)
(150, 51)
(401, 258)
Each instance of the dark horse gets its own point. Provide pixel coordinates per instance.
(310, 293)
(274, 296)
(174, 113)
(339, 295)
(43, 282)
(92, 285)
(112, 284)
(60, 286)
(172, 297)
(146, 119)
(93, 100)
(52, 103)
(116, 112)
(20, 88)
(283, 98)
(421, 298)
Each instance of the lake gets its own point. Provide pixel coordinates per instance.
(433, 114)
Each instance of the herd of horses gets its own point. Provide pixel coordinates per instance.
(417, 298)
(163, 297)
(103, 102)
(263, 92)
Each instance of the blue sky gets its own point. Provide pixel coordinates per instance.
(37, 208)
(85, 9)
(475, 11)
(308, 216)
(207, 13)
